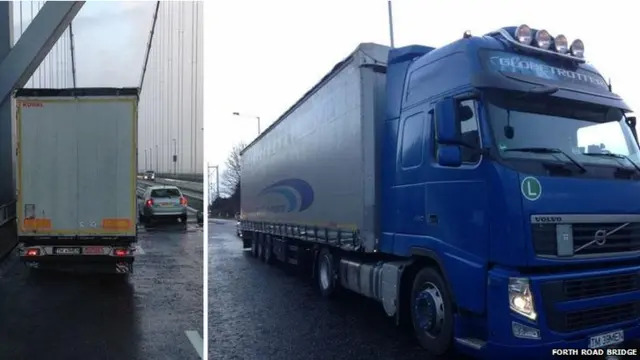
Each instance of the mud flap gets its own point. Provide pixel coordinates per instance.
(124, 268)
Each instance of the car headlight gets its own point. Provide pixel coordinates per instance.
(521, 298)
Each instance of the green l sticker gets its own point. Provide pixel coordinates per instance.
(531, 188)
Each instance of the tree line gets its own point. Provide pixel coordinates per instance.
(227, 205)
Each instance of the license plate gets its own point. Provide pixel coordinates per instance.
(92, 250)
(165, 204)
(67, 251)
(603, 340)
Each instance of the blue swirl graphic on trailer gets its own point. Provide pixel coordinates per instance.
(297, 193)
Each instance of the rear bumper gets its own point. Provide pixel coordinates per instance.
(161, 214)
(106, 261)
(81, 263)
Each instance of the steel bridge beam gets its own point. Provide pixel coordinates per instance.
(17, 65)
(35, 43)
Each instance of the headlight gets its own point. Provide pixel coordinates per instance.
(543, 39)
(561, 44)
(521, 298)
(577, 48)
(524, 34)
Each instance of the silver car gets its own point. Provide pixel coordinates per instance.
(149, 175)
(163, 202)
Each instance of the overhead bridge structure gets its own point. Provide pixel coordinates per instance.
(37, 50)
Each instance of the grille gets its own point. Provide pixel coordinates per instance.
(554, 292)
(607, 315)
(626, 239)
(600, 286)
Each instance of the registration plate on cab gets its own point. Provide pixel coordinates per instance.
(67, 251)
(94, 250)
(607, 339)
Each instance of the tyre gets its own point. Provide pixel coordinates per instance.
(254, 245)
(260, 253)
(326, 273)
(268, 249)
(432, 312)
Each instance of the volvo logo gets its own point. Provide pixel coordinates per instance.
(600, 237)
(547, 219)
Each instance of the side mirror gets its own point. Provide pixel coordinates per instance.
(447, 126)
(449, 155)
(631, 121)
(448, 132)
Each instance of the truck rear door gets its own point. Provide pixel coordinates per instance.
(77, 165)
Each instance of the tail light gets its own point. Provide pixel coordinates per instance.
(120, 252)
(33, 252)
(149, 203)
(183, 201)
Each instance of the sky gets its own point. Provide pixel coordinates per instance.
(265, 54)
(111, 39)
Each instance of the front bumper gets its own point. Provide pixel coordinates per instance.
(549, 350)
(572, 307)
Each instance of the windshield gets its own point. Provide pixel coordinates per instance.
(574, 128)
(165, 193)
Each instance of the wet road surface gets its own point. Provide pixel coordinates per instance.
(69, 316)
(258, 311)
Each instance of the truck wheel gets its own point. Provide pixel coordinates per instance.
(254, 245)
(268, 249)
(431, 312)
(326, 274)
(260, 252)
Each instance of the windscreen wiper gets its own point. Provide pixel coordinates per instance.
(615, 156)
(545, 150)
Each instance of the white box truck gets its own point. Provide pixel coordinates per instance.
(76, 178)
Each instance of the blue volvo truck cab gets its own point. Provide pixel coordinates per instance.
(511, 178)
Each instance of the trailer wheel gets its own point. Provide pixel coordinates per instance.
(325, 273)
(268, 249)
(260, 247)
(431, 312)
(254, 244)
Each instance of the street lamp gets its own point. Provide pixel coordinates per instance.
(145, 160)
(249, 116)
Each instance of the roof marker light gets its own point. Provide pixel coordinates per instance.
(524, 34)
(561, 44)
(577, 48)
(543, 39)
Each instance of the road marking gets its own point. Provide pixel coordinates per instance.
(139, 250)
(196, 340)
